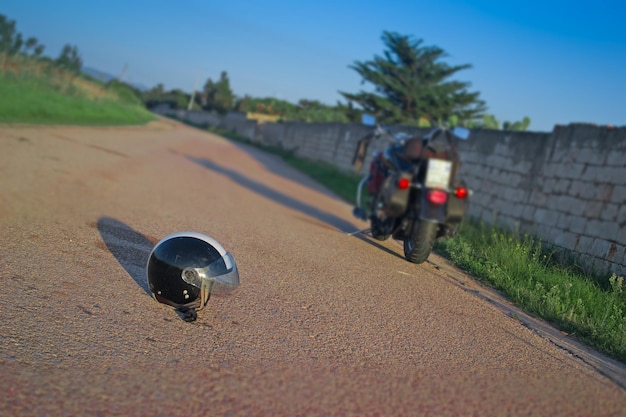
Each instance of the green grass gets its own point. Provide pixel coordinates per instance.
(522, 269)
(518, 266)
(49, 99)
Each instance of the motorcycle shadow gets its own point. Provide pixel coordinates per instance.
(364, 237)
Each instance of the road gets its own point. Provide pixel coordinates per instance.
(323, 324)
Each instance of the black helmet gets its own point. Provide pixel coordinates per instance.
(185, 268)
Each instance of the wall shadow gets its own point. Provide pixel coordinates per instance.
(276, 165)
(129, 247)
(277, 196)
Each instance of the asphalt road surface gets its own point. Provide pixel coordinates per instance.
(323, 324)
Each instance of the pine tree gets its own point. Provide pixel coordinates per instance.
(411, 83)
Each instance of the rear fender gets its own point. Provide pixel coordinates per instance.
(435, 213)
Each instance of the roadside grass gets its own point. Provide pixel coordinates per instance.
(519, 266)
(39, 94)
(527, 273)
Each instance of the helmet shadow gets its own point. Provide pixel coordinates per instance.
(129, 247)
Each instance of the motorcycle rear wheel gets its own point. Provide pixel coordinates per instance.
(419, 244)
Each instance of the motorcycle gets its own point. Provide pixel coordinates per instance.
(414, 193)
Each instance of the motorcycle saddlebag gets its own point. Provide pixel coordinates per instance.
(456, 209)
(396, 199)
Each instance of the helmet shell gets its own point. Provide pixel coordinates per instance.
(169, 258)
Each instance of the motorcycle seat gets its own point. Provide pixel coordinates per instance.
(412, 149)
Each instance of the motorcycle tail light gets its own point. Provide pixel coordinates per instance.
(403, 183)
(437, 196)
(461, 192)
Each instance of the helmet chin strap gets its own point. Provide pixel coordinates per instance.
(190, 313)
(205, 292)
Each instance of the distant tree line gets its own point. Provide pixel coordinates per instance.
(410, 84)
(13, 47)
(218, 97)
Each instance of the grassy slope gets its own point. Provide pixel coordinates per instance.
(48, 99)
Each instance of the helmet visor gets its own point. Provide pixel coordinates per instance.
(219, 277)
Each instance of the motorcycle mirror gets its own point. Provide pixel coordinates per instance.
(368, 119)
(461, 133)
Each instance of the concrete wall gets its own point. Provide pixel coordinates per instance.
(566, 187)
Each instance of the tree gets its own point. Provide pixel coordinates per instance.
(311, 111)
(517, 126)
(175, 99)
(489, 121)
(315, 111)
(412, 83)
(218, 96)
(69, 59)
(158, 89)
(348, 111)
(33, 44)
(12, 43)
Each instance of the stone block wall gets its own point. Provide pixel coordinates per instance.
(581, 199)
(332, 143)
(567, 188)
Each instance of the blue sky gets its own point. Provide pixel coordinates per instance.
(555, 61)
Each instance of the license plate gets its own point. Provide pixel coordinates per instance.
(438, 173)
